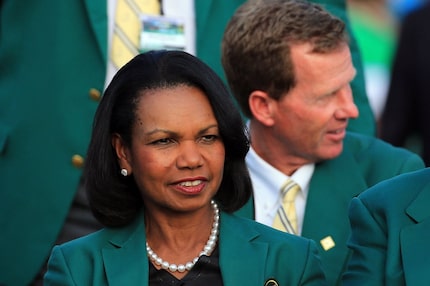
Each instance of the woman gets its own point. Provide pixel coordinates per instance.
(165, 167)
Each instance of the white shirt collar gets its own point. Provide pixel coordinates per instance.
(267, 182)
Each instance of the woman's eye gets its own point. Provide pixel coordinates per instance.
(163, 141)
(209, 138)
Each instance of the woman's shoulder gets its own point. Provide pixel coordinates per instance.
(106, 238)
(88, 243)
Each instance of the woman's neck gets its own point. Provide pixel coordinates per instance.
(179, 238)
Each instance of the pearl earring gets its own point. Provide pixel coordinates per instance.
(124, 172)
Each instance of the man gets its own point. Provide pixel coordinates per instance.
(289, 65)
(390, 225)
(54, 65)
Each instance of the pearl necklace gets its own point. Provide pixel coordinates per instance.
(207, 250)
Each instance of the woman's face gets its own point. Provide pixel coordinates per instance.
(176, 154)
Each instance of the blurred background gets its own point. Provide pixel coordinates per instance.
(377, 26)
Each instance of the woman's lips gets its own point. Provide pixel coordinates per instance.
(191, 186)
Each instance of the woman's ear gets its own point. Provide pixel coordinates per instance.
(122, 152)
(262, 107)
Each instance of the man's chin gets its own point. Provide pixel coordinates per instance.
(331, 152)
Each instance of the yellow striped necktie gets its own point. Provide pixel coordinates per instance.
(125, 37)
(286, 216)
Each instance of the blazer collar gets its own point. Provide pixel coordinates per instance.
(326, 219)
(238, 253)
(415, 247)
(97, 15)
(328, 197)
(418, 210)
(125, 264)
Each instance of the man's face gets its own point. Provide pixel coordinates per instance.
(310, 121)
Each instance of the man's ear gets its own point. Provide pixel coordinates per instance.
(262, 107)
(122, 152)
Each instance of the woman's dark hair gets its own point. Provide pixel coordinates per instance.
(115, 200)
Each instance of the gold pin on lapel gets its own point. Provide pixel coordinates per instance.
(271, 282)
(327, 243)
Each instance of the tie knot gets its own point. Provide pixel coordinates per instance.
(289, 190)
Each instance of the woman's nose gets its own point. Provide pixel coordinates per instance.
(189, 155)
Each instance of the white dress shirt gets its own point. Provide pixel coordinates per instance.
(267, 182)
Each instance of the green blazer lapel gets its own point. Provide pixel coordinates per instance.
(125, 264)
(418, 209)
(329, 195)
(326, 217)
(97, 15)
(238, 253)
(414, 241)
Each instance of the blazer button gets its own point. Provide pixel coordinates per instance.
(77, 161)
(95, 94)
(271, 282)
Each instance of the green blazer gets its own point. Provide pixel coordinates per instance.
(390, 233)
(52, 70)
(364, 162)
(249, 254)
